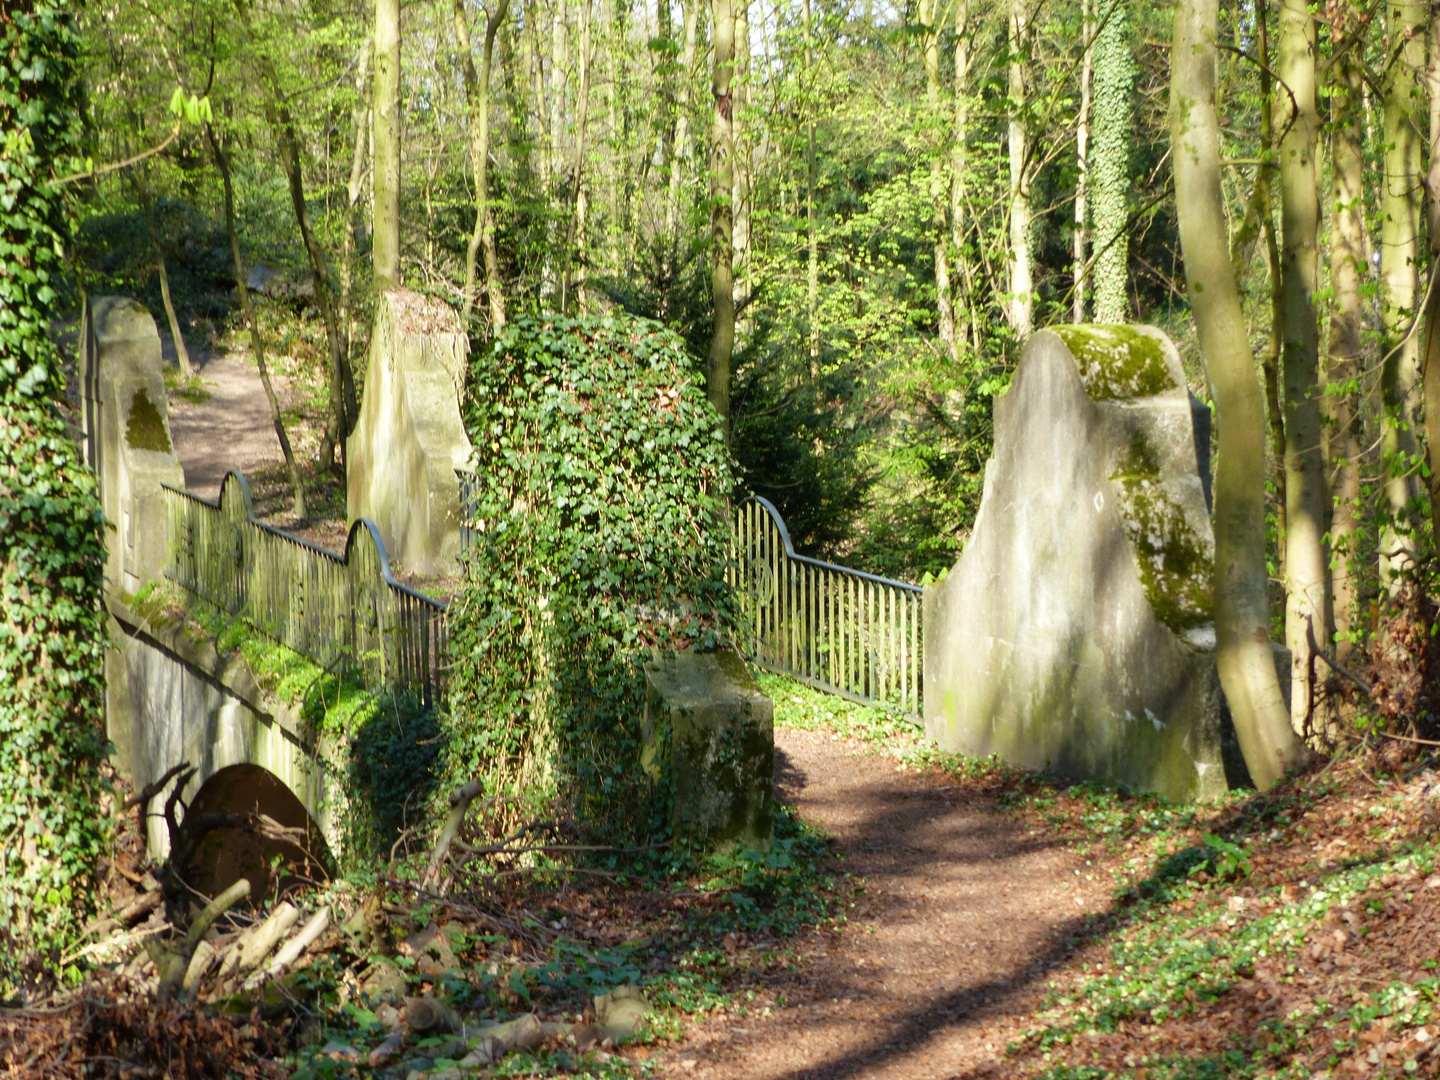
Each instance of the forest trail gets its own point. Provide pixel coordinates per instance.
(962, 915)
(231, 429)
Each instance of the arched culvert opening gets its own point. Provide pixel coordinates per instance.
(233, 842)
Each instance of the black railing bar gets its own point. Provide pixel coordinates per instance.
(790, 552)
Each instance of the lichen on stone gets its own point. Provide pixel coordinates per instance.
(1174, 563)
(144, 427)
(1117, 363)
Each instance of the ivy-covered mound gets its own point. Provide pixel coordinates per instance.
(51, 547)
(600, 536)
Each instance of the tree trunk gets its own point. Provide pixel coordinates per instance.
(940, 232)
(1306, 602)
(1246, 664)
(959, 162)
(360, 120)
(477, 97)
(744, 166)
(1399, 261)
(386, 252)
(576, 241)
(1082, 164)
(182, 354)
(343, 410)
(722, 182)
(679, 150)
(1110, 164)
(1021, 302)
(1432, 307)
(812, 238)
(1347, 268)
(247, 308)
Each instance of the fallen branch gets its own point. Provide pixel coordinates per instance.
(150, 790)
(291, 950)
(171, 965)
(1315, 650)
(256, 944)
(460, 800)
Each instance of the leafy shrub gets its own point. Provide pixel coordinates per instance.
(601, 535)
(52, 829)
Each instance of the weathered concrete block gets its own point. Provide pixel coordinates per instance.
(127, 435)
(1075, 632)
(409, 438)
(722, 747)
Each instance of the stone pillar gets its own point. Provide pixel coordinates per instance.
(721, 748)
(1075, 632)
(127, 436)
(409, 438)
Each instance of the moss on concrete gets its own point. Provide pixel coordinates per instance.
(144, 426)
(1118, 363)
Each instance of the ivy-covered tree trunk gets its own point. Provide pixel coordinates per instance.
(1242, 616)
(1110, 160)
(722, 222)
(1399, 266)
(1082, 164)
(52, 555)
(1306, 601)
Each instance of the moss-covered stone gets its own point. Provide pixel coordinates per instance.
(1118, 363)
(144, 426)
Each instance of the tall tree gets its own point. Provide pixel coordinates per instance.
(939, 187)
(1082, 164)
(477, 96)
(1110, 161)
(1242, 618)
(1347, 267)
(386, 123)
(1306, 603)
(1021, 285)
(1432, 303)
(959, 164)
(722, 183)
(1399, 266)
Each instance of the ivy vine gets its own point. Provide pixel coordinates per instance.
(52, 744)
(600, 537)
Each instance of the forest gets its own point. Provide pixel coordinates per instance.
(829, 231)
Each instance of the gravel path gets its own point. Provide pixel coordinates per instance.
(232, 429)
(961, 916)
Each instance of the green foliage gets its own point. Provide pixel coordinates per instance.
(51, 552)
(601, 535)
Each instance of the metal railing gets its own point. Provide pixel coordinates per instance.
(339, 610)
(469, 495)
(841, 630)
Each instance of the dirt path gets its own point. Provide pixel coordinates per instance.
(961, 916)
(232, 429)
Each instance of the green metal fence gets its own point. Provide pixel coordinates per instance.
(841, 630)
(339, 610)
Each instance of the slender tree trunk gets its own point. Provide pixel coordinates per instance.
(354, 188)
(617, 158)
(1347, 261)
(182, 354)
(1082, 163)
(386, 253)
(1399, 263)
(1021, 286)
(1432, 307)
(477, 96)
(1110, 165)
(1247, 667)
(343, 409)
(576, 241)
(1306, 602)
(722, 182)
(247, 308)
(939, 195)
(679, 149)
(959, 163)
(744, 166)
(812, 236)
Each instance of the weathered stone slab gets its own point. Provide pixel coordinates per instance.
(1075, 632)
(127, 435)
(722, 748)
(409, 438)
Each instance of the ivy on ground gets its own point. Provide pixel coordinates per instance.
(52, 745)
(600, 536)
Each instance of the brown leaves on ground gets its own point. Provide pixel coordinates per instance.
(110, 1033)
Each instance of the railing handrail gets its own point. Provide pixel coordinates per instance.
(300, 541)
(791, 553)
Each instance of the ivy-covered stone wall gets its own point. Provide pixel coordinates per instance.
(51, 546)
